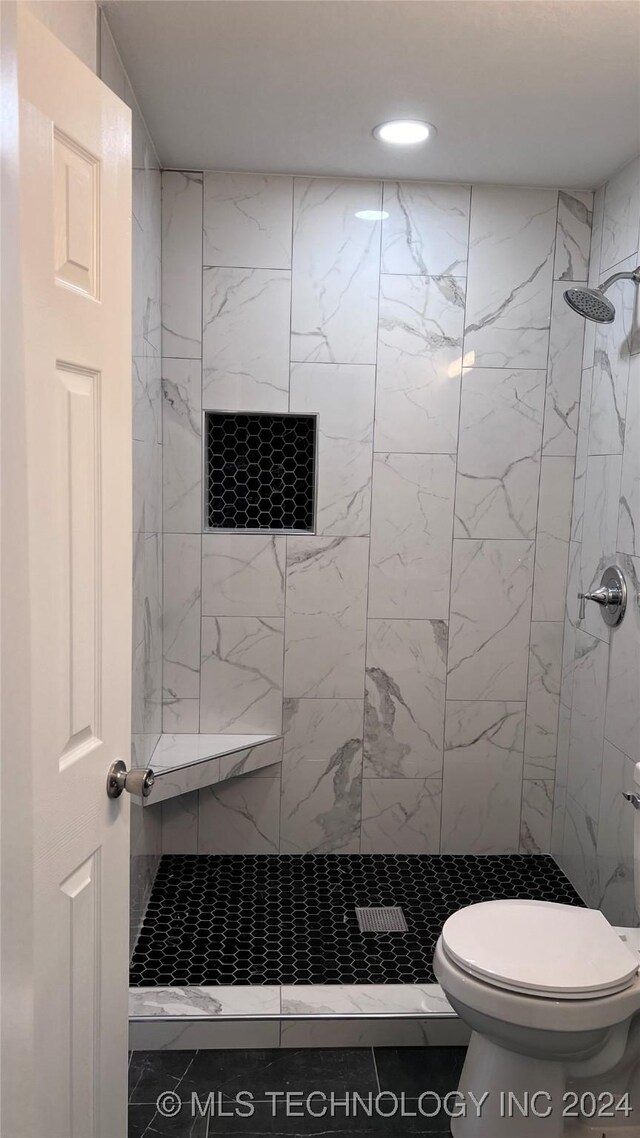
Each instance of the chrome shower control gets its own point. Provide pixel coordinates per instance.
(611, 596)
(634, 799)
(137, 781)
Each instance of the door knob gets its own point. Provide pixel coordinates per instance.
(611, 596)
(138, 781)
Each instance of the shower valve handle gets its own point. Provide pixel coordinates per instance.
(602, 596)
(611, 596)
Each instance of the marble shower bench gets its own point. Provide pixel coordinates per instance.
(182, 763)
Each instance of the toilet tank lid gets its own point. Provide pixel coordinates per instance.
(540, 947)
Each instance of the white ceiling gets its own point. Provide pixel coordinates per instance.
(535, 92)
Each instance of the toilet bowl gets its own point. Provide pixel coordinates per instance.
(552, 996)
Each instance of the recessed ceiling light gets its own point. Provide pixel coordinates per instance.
(404, 132)
(372, 214)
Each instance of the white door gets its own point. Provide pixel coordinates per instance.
(66, 643)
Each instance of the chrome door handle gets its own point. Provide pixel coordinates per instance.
(137, 781)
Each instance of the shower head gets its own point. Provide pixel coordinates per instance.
(593, 304)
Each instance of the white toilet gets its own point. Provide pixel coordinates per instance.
(552, 995)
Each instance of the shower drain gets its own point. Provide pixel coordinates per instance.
(383, 919)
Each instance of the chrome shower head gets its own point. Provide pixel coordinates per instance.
(593, 304)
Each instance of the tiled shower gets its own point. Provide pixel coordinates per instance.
(414, 655)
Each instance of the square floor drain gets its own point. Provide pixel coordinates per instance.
(384, 919)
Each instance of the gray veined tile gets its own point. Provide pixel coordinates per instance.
(622, 727)
(427, 230)
(543, 699)
(241, 674)
(342, 395)
(181, 264)
(615, 839)
(587, 724)
(511, 250)
(596, 236)
(412, 520)
(147, 634)
(327, 576)
(240, 816)
(181, 446)
(401, 815)
(582, 453)
(552, 538)
(180, 824)
(147, 400)
(537, 813)
(243, 575)
(404, 700)
(247, 220)
(336, 259)
(324, 657)
(621, 221)
(611, 362)
(146, 245)
(180, 716)
(629, 510)
(599, 530)
(564, 373)
(482, 777)
(181, 621)
(322, 776)
(245, 339)
(573, 235)
(419, 364)
(489, 624)
(499, 453)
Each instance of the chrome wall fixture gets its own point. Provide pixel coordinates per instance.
(593, 304)
(611, 596)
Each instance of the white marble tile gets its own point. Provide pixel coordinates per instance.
(552, 538)
(180, 774)
(260, 761)
(611, 371)
(147, 400)
(404, 700)
(401, 815)
(511, 250)
(243, 575)
(324, 658)
(599, 530)
(342, 395)
(147, 634)
(499, 453)
(573, 235)
(326, 615)
(181, 716)
(629, 511)
(543, 699)
(327, 576)
(336, 258)
(180, 824)
(176, 751)
(147, 487)
(622, 727)
(615, 838)
(564, 372)
(412, 519)
(181, 264)
(427, 230)
(245, 339)
(419, 363)
(181, 617)
(482, 777)
(489, 624)
(204, 1002)
(146, 245)
(241, 674)
(240, 817)
(621, 220)
(247, 220)
(322, 776)
(182, 446)
(587, 726)
(582, 452)
(204, 1034)
(596, 236)
(365, 999)
(560, 792)
(537, 812)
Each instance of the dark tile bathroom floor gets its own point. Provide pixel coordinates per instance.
(240, 1080)
(269, 919)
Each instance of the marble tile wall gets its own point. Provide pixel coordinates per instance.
(147, 472)
(410, 650)
(599, 678)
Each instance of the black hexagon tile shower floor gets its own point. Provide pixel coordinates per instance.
(269, 919)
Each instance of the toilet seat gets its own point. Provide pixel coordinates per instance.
(540, 948)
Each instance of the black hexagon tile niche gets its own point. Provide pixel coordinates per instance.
(269, 919)
(260, 472)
